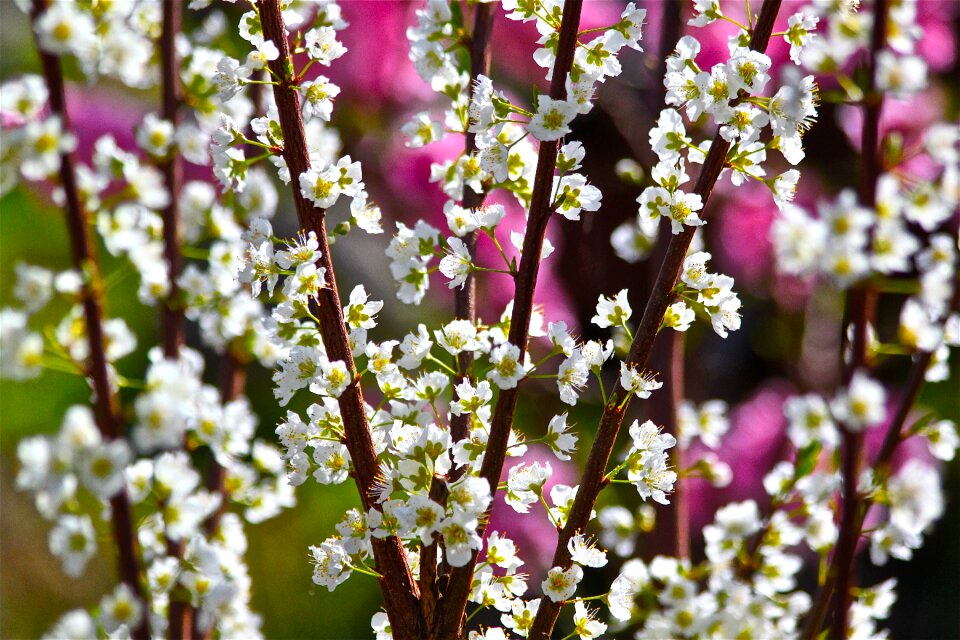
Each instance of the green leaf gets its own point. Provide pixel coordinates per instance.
(807, 459)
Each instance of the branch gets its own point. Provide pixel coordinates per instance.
(106, 406)
(465, 308)
(461, 578)
(180, 613)
(171, 311)
(400, 592)
(859, 301)
(613, 414)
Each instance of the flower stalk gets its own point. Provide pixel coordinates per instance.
(465, 308)
(660, 298)
(97, 370)
(171, 314)
(400, 591)
(525, 282)
(860, 301)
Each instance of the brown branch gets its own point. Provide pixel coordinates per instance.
(860, 300)
(171, 310)
(465, 308)
(461, 578)
(673, 537)
(180, 613)
(593, 476)
(400, 592)
(106, 405)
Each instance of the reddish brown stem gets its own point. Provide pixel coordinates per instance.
(461, 578)
(180, 613)
(465, 308)
(592, 480)
(171, 312)
(673, 520)
(106, 405)
(860, 302)
(400, 591)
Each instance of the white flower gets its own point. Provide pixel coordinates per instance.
(73, 540)
(507, 370)
(679, 316)
(502, 552)
(574, 195)
(942, 439)
(861, 404)
(902, 76)
(360, 313)
(551, 122)
(120, 609)
(679, 206)
(265, 52)
(318, 95)
(421, 130)
(798, 33)
(525, 485)
(632, 381)
(457, 264)
(585, 553)
(460, 539)
(633, 577)
(333, 462)
(155, 135)
(101, 467)
(612, 312)
(521, 617)
(73, 625)
(747, 71)
(916, 499)
(726, 316)
(585, 623)
(559, 438)
(331, 564)
(65, 28)
(322, 45)
(706, 11)
(560, 585)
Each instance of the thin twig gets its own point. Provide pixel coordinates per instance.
(465, 308)
(461, 578)
(171, 311)
(859, 303)
(400, 591)
(592, 480)
(180, 614)
(106, 405)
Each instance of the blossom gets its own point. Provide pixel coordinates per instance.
(585, 553)
(561, 584)
(73, 540)
(559, 438)
(574, 195)
(331, 565)
(457, 264)
(632, 381)
(585, 623)
(507, 370)
(318, 95)
(552, 119)
(120, 609)
(460, 539)
(861, 404)
(612, 312)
